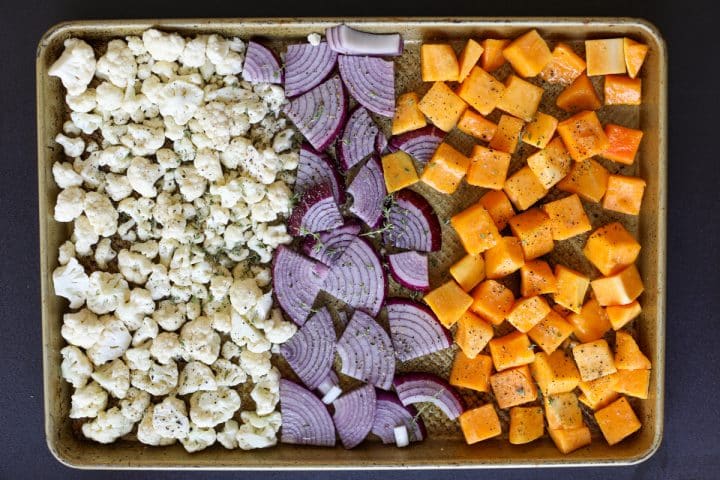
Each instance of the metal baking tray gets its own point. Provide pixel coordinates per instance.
(444, 447)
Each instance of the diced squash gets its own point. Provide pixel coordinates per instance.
(624, 194)
(560, 310)
(599, 392)
(476, 229)
(617, 421)
(594, 360)
(571, 288)
(445, 169)
(492, 57)
(399, 171)
(526, 425)
(536, 278)
(621, 315)
(498, 206)
(627, 353)
(524, 189)
(583, 135)
(513, 387)
(540, 130)
(492, 301)
(476, 125)
(528, 312)
(605, 56)
(579, 95)
(488, 167)
(481, 90)
(611, 248)
(438, 63)
(511, 350)
(533, 229)
(442, 106)
(469, 58)
(554, 373)
(567, 441)
(624, 143)
(551, 164)
(473, 334)
(619, 289)
(520, 98)
(565, 66)
(504, 258)
(468, 271)
(473, 373)
(528, 54)
(635, 383)
(407, 114)
(448, 302)
(562, 411)
(635, 53)
(507, 134)
(480, 424)
(591, 323)
(587, 178)
(622, 90)
(551, 332)
(567, 217)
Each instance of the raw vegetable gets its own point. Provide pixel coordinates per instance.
(371, 81)
(563, 412)
(594, 360)
(634, 383)
(354, 415)
(368, 192)
(567, 441)
(476, 125)
(398, 171)
(305, 420)
(448, 302)
(624, 194)
(507, 134)
(306, 66)
(442, 106)
(599, 392)
(611, 248)
(524, 189)
(520, 98)
(414, 330)
(571, 287)
(480, 424)
(527, 312)
(296, 282)
(358, 139)
(481, 91)
(533, 229)
(605, 56)
(624, 143)
(424, 387)
(564, 67)
(316, 212)
(327, 247)
(472, 334)
(504, 258)
(438, 63)
(492, 57)
(627, 353)
(567, 217)
(311, 350)
(591, 323)
(473, 373)
(551, 332)
(540, 130)
(419, 144)
(468, 271)
(366, 352)
(469, 58)
(579, 95)
(554, 373)
(261, 65)
(446, 169)
(315, 169)
(587, 178)
(513, 387)
(634, 56)
(498, 206)
(511, 350)
(528, 54)
(349, 41)
(617, 421)
(408, 116)
(536, 278)
(391, 413)
(551, 164)
(492, 301)
(412, 224)
(583, 135)
(476, 229)
(526, 425)
(621, 315)
(410, 269)
(619, 289)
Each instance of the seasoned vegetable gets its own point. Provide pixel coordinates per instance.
(624, 194)
(504, 258)
(448, 302)
(622, 90)
(511, 350)
(398, 171)
(481, 91)
(413, 388)
(296, 282)
(565, 66)
(311, 350)
(480, 424)
(594, 360)
(473, 373)
(533, 229)
(366, 352)
(446, 169)
(498, 206)
(349, 41)
(488, 168)
(571, 288)
(354, 415)
(619, 289)
(414, 330)
(540, 130)
(492, 301)
(579, 95)
(621, 315)
(586, 178)
(617, 421)
(624, 143)
(370, 81)
(468, 271)
(634, 56)
(472, 334)
(555, 373)
(419, 144)
(408, 116)
(513, 387)
(358, 139)
(476, 229)
(562, 411)
(476, 125)
(528, 54)
(438, 63)
(390, 412)
(306, 66)
(567, 217)
(507, 135)
(442, 106)
(550, 332)
(410, 269)
(611, 248)
(583, 135)
(526, 425)
(411, 223)
(524, 189)
(536, 278)
(368, 193)
(520, 98)
(305, 420)
(527, 312)
(492, 57)
(605, 56)
(261, 64)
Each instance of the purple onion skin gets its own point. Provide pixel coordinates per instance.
(404, 200)
(426, 387)
(299, 80)
(415, 330)
(321, 164)
(390, 412)
(354, 415)
(366, 352)
(304, 217)
(305, 419)
(311, 350)
(368, 191)
(258, 56)
(296, 302)
(401, 276)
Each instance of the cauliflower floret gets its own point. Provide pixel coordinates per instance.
(71, 282)
(266, 392)
(170, 418)
(112, 343)
(169, 315)
(66, 251)
(280, 197)
(258, 431)
(117, 186)
(118, 65)
(198, 438)
(117, 158)
(146, 432)
(244, 333)
(133, 311)
(191, 184)
(101, 214)
(165, 70)
(114, 377)
(108, 426)
(69, 128)
(142, 175)
(88, 401)
(200, 341)
(163, 46)
(193, 55)
(113, 132)
(158, 283)
(87, 122)
(257, 365)
(135, 267)
(167, 159)
(208, 409)
(217, 49)
(69, 204)
(72, 147)
(75, 67)
(65, 176)
(157, 380)
(138, 358)
(141, 211)
(134, 404)
(220, 285)
(207, 164)
(106, 291)
(230, 350)
(104, 253)
(278, 330)
(84, 236)
(314, 39)
(263, 211)
(180, 100)
(244, 295)
(166, 347)
(147, 330)
(283, 140)
(81, 328)
(227, 437)
(83, 103)
(75, 366)
(109, 97)
(143, 139)
(272, 235)
(228, 374)
(230, 193)
(196, 376)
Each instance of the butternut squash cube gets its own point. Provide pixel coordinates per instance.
(520, 98)
(622, 90)
(562, 411)
(621, 315)
(438, 63)
(524, 189)
(536, 278)
(507, 134)
(565, 66)
(481, 90)
(407, 114)
(473, 334)
(551, 164)
(448, 302)
(599, 392)
(587, 178)
(567, 217)
(554, 373)
(528, 54)
(528, 312)
(624, 143)
(468, 271)
(476, 125)
(445, 169)
(619, 289)
(579, 95)
(605, 56)
(551, 332)
(513, 387)
(526, 425)
(498, 206)
(476, 229)
(571, 288)
(634, 383)
(473, 373)
(492, 301)
(480, 424)
(469, 58)
(635, 53)
(533, 229)
(617, 421)
(442, 106)
(594, 360)
(488, 167)
(399, 171)
(504, 258)
(492, 57)
(567, 441)
(511, 350)
(583, 135)
(627, 353)
(540, 130)
(624, 194)
(611, 248)
(591, 323)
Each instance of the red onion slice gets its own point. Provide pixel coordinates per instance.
(354, 415)
(412, 223)
(425, 387)
(419, 144)
(305, 419)
(311, 350)
(329, 246)
(314, 169)
(261, 65)
(391, 413)
(410, 269)
(306, 66)
(371, 81)
(349, 41)
(316, 212)
(366, 351)
(414, 329)
(368, 192)
(319, 113)
(296, 282)
(358, 139)
(381, 143)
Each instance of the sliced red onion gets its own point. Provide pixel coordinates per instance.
(316, 212)
(371, 81)
(419, 144)
(331, 380)
(310, 352)
(410, 269)
(261, 65)
(343, 317)
(314, 169)
(390, 413)
(354, 414)
(357, 277)
(305, 419)
(328, 246)
(296, 282)
(331, 395)
(366, 352)
(412, 223)
(306, 66)
(402, 439)
(358, 139)
(349, 41)
(381, 143)
(319, 114)
(414, 329)
(368, 192)
(425, 387)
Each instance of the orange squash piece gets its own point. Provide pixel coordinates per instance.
(507, 134)
(635, 53)
(540, 130)
(611, 248)
(571, 288)
(438, 63)
(622, 90)
(492, 57)
(524, 189)
(579, 95)
(533, 229)
(591, 323)
(536, 278)
(448, 302)
(567, 217)
(617, 421)
(526, 425)
(621, 315)
(555, 373)
(599, 392)
(624, 143)
(583, 135)
(619, 289)
(473, 373)
(520, 98)
(594, 360)
(481, 90)
(528, 312)
(528, 54)
(476, 125)
(407, 114)
(587, 178)
(567, 441)
(627, 353)
(445, 169)
(513, 387)
(468, 271)
(511, 350)
(488, 167)
(551, 332)
(480, 424)
(551, 164)
(398, 171)
(605, 56)
(624, 194)
(476, 229)
(565, 66)
(469, 58)
(473, 334)
(498, 206)
(492, 301)
(504, 258)
(442, 106)
(562, 411)
(635, 383)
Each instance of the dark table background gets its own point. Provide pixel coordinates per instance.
(691, 445)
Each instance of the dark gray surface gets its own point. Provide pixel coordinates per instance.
(691, 446)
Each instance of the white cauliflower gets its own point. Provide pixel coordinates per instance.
(193, 55)
(165, 70)
(228, 374)
(83, 103)
(198, 438)
(280, 197)
(69, 128)
(112, 343)
(163, 46)
(71, 282)
(82, 328)
(314, 39)
(158, 283)
(88, 401)
(170, 418)
(114, 377)
(69, 204)
(143, 139)
(118, 65)
(166, 347)
(244, 295)
(109, 97)
(245, 333)
(207, 164)
(138, 358)
(157, 380)
(278, 330)
(167, 158)
(196, 376)
(283, 140)
(87, 122)
(266, 392)
(180, 100)
(200, 342)
(142, 175)
(258, 431)
(108, 426)
(227, 436)
(101, 214)
(117, 186)
(135, 267)
(191, 184)
(75, 67)
(84, 236)
(230, 350)
(146, 432)
(75, 366)
(65, 175)
(106, 291)
(208, 409)
(72, 147)
(134, 404)
(116, 157)
(169, 315)
(66, 251)
(257, 365)
(133, 311)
